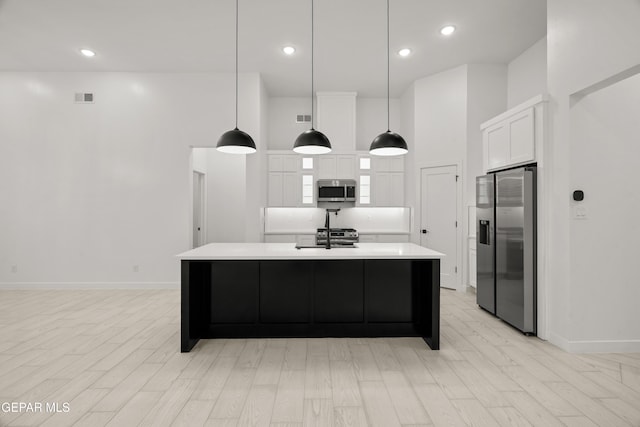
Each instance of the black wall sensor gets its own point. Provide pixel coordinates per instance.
(578, 195)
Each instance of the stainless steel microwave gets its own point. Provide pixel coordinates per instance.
(336, 190)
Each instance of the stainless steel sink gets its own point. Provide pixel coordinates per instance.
(333, 246)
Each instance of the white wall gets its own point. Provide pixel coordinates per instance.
(226, 197)
(583, 51)
(256, 167)
(486, 98)
(199, 160)
(89, 191)
(441, 116)
(527, 74)
(605, 291)
(408, 129)
(371, 119)
(283, 129)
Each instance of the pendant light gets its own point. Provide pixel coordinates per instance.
(312, 141)
(388, 143)
(236, 141)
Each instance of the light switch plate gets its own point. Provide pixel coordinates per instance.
(579, 212)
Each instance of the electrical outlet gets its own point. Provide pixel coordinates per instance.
(14, 268)
(136, 268)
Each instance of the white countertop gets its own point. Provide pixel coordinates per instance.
(264, 251)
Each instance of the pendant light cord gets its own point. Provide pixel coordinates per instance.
(236, 64)
(388, 60)
(313, 115)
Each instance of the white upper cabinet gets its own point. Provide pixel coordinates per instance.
(341, 166)
(346, 166)
(327, 167)
(514, 137)
(521, 137)
(337, 119)
(285, 186)
(284, 162)
(388, 185)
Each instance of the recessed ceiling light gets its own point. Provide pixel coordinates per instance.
(404, 52)
(87, 52)
(447, 30)
(289, 50)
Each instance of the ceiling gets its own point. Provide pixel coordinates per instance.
(198, 36)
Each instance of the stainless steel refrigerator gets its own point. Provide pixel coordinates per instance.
(506, 246)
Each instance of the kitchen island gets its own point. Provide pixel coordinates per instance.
(258, 290)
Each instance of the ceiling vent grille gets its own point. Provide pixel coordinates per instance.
(303, 118)
(84, 98)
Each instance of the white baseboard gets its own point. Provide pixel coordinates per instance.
(595, 346)
(87, 285)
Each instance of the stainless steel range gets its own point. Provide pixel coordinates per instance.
(339, 236)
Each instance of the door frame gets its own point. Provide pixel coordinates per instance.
(460, 217)
(203, 205)
(203, 208)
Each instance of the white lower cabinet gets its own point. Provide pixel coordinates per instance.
(472, 262)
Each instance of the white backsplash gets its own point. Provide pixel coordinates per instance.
(365, 220)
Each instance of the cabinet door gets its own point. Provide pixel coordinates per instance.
(388, 290)
(327, 167)
(285, 288)
(276, 162)
(345, 167)
(382, 164)
(234, 291)
(397, 164)
(496, 144)
(397, 188)
(291, 189)
(338, 291)
(382, 189)
(274, 193)
(521, 137)
(291, 163)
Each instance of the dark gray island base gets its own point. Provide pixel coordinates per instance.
(310, 298)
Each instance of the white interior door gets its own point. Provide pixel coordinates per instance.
(198, 209)
(438, 227)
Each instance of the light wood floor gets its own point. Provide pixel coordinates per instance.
(114, 357)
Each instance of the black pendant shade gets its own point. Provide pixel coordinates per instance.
(236, 142)
(312, 142)
(388, 144)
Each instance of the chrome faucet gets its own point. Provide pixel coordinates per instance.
(327, 224)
